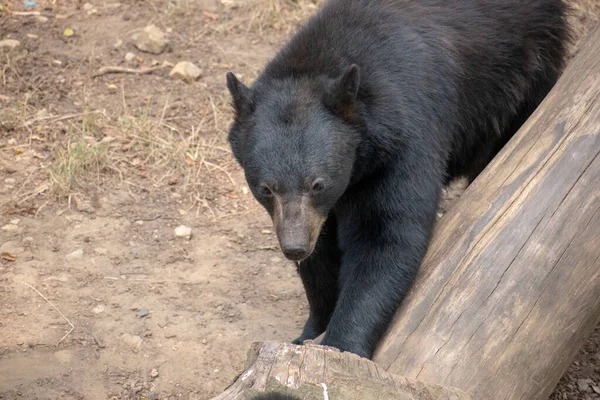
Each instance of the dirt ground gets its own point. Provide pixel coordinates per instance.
(99, 298)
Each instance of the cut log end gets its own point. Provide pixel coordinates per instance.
(314, 372)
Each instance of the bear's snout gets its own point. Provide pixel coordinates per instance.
(297, 225)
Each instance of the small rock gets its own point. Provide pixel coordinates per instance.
(151, 40)
(204, 341)
(142, 313)
(15, 221)
(154, 373)
(28, 241)
(183, 231)
(75, 255)
(129, 57)
(98, 309)
(118, 44)
(10, 181)
(9, 43)
(41, 19)
(86, 208)
(100, 251)
(32, 36)
(75, 217)
(185, 71)
(596, 389)
(88, 6)
(12, 247)
(584, 385)
(57, 62)
(131, 340)
(10, 227)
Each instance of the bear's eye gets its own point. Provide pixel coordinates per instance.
(265, 191)
(318, 185)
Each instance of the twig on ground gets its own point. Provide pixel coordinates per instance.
(57, 310)
(209, 164)
(61, 117)
(116, 70)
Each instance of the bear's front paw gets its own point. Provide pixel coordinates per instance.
(360, 351)
(300, 340)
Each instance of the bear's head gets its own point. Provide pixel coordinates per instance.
(296, 139)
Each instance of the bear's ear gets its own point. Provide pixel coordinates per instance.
(343, 91)
(240, 93)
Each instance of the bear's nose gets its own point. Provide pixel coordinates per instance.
(295, 253)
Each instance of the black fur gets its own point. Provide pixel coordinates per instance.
(385, 101)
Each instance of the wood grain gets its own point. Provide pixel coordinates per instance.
(313, 372)
(510, 286)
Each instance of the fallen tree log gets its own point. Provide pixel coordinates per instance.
(510, 286)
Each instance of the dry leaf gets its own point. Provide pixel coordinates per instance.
(189, 159)
(182, 212)
(8, 256)
(68, 32)
(210, 15)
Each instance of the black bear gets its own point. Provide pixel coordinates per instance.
(351, 131)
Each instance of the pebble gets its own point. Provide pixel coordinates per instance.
(584, 385)
(98, 309)
(185, 71)
(28, 241)
(10, 181)
(75, 255)
(131, 340)
(14, 221)
(9, 43)
(129, 57)
(100, 251)
(183, 231)
(10, 227)
(151, 40)
(75, 217)
(41, 19)
(142, 313)
(154, 373)
(86, 208)
(12, 247)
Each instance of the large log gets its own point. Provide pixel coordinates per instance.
(510, 286)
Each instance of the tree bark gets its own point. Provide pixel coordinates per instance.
(510, 286)
(313, 372)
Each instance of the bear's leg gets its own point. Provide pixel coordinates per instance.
(319, 273)
(384, 229)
